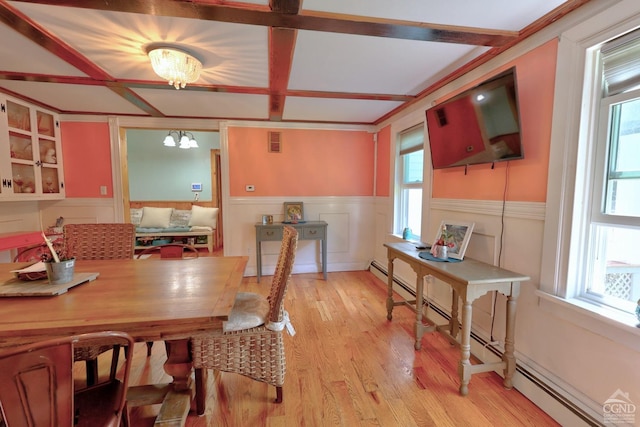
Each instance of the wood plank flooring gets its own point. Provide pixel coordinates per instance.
(348, 366)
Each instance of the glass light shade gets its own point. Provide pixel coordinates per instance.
(184, 142)
(175, 66)
(169, 141)
(193, 143)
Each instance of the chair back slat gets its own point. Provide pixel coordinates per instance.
(282, 273)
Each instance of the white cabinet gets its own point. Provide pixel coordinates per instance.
(30, 152)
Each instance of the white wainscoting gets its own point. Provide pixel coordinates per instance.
(350, 232)
(78, 211)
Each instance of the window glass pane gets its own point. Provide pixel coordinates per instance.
(413, 209)
(623, 183)
(615, 275)
(412, 167)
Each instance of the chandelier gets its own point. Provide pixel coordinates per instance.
(175, 65)
(185, 139)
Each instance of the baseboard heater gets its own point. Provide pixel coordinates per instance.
(540, 383)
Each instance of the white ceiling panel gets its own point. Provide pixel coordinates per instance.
(350, 63)
(231, 54)
(19, 54)
(182, 103)
(496, 14)
(73, 98)
(333, 110)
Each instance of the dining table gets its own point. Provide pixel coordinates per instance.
(151, 299)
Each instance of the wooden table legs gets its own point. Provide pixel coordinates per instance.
(177, 396)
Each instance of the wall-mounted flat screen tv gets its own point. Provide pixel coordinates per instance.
(480, 125)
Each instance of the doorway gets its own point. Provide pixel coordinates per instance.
(155, 175)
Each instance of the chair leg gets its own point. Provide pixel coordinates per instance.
(201, 390)
(92, 371)
(114, 362)
(125, 421)
(149, 346)
(278, 394)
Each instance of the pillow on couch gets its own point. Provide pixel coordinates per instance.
(180, 218)
(155, 217)
(136, 216)
(203, 217)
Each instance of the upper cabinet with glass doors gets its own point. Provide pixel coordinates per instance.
(30, 152)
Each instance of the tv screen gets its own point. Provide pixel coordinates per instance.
(480, 125)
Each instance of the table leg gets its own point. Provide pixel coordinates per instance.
(324, 258)
(178, 363)
(389, 288)
(454, 326)
(418, 329)
(465, 348)
(509, 343)
(258, 260)
(179, 400)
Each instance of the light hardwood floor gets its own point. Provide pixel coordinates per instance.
(348, 366)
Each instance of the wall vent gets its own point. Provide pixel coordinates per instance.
(275, 142)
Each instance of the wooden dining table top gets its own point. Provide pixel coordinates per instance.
(151, 299)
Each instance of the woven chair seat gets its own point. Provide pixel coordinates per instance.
(257, 353)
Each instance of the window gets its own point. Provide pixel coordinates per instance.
(608, 260)
(410, 163)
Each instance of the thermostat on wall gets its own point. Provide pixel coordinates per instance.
(196, 186)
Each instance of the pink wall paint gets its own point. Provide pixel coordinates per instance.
(527, 178)
(312, 163)
(87, 159)
(383, 162)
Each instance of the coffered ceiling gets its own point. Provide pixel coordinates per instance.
(338, 61)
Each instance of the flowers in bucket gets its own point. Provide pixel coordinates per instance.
(440, 248)
(59, 267)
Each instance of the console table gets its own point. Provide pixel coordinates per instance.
(469, 279)
(308, 230)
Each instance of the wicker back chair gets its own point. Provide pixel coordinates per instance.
(38, 387)
(251, 342)
(97, 242)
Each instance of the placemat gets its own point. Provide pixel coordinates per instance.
(427, 255)
(41, 288)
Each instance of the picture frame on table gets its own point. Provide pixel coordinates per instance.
(293, 212)
(460, 233)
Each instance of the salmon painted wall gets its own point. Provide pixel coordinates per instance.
(87, 159)
(527, 178)
(383, 159)
(312, 163)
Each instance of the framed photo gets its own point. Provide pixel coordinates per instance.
(458, 234)
(293, 212)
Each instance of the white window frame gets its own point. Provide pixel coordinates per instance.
(575, 123)
(401, 209)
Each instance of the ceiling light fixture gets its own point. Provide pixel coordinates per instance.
(185, 139)
(174, 65)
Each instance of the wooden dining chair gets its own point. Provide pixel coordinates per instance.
(169, 251)
(97, 242)
(251, 342)
(38, 387)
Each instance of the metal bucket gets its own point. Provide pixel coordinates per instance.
(60, 272)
